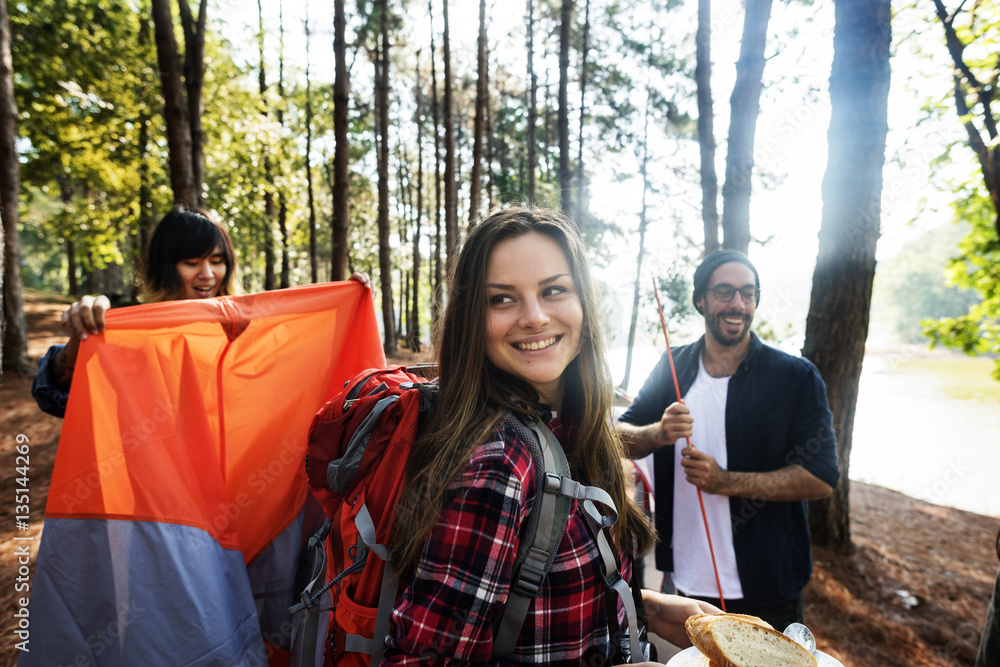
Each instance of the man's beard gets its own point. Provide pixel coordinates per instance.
(729, 340)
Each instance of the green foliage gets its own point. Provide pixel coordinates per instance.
(977, 268)
(81, 85)
(674, 286)
(911, 287)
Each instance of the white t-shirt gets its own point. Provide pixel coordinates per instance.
(693, 573)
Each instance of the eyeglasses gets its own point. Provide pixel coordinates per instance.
(724, 292)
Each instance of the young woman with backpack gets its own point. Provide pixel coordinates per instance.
(520, 342)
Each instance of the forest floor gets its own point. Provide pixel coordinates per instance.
(913, 591)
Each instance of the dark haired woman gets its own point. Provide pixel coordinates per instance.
(521, 336)
(190, 256)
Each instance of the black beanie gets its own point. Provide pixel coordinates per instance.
(714, 261)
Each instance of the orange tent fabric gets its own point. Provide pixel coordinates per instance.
(181, 461)
(231, 383)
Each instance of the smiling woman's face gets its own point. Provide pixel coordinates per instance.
(202, 277)
(534, 318)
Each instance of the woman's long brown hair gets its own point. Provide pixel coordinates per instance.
(474, 394)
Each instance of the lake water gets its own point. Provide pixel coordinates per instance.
(927, 425)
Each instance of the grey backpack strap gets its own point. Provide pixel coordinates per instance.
(390, 589)
(553, 516)
(552, 513)
(306, 628)
(615, 582)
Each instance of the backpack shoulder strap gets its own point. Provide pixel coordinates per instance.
(550, 517)
(552, 508)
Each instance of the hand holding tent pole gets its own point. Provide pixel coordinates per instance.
(701, 503)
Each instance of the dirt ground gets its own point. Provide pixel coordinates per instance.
(913, 592)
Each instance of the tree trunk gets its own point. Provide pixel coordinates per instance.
(565, 172)
(413, 335)
(450, 203)
(706, 129)
(531, 133)
(175, 109)
(285, 275)
(268, 184)
(490, 147)
(144, 220)
(547, 128)
(3, 316)
(580, 189)
(194, 77)
(643, 224)
(313, 267)
(475, 188)
(384, 251)
(341, 176)
(15, 325)
(837, 324)
(745, 103)
(437, 288)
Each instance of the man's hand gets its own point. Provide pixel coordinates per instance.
(641, 441)
(666, 615)
(676, 423)
(703, 470)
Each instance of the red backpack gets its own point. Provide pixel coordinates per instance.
(359, 443)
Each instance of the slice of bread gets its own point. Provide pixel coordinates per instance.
(735, 640)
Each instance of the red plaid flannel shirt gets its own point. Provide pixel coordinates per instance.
(446, 615)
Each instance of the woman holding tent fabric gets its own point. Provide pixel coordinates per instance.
(190, 256)
(520, 343)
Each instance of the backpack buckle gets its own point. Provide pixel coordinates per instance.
(529, 580)
(553, 482)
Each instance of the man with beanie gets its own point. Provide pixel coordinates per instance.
(754, 434)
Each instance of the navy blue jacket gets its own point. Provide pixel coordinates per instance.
(776, 415)
(50, 398)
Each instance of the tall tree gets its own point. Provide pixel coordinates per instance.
(341, 175)
(531, 130)
(450, 200)
(580, 189)
(745, 104)
(643, 224)
(313, 264)
(194, 78)
(3, 315)
(284, 279)
(268, 184)
(482, 102)
(706, 126)
(413, 335)
(145, 216)
(565, 171)
(837, 323)
(382, 105)
(13, 323)
(437, 288)
(183, 98)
